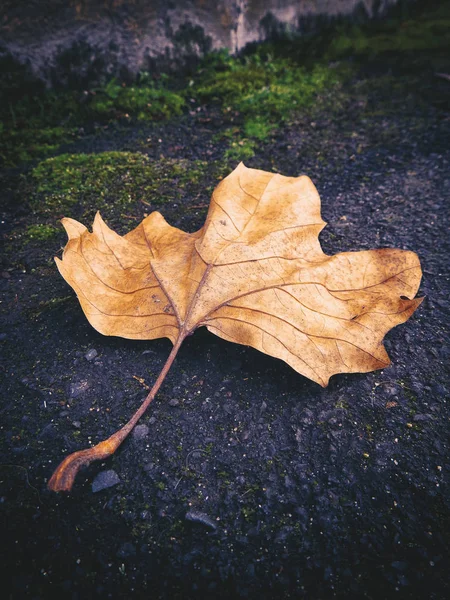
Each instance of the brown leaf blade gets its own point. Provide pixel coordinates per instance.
(255, 274)
(115, 283)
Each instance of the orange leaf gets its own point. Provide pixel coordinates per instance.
(255, 274)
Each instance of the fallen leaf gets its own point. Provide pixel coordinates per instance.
(255, 274)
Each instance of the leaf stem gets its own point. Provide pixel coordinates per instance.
(63, 478)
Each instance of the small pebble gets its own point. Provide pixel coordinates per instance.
(104, 480)
(91, 354)
(422, 417)
(174, 402)
(140, 432)
(76, 424)
(77, 389)
(200, 517)
(390, 390)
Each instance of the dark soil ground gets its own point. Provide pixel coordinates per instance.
(244, 479)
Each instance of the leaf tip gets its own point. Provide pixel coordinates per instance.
(98, 223)
(73, 228)
(63, 478)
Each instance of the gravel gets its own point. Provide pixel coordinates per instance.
(91, 354)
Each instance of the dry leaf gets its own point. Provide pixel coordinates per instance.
(255, 274)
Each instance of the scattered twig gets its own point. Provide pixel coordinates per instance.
(142, 382)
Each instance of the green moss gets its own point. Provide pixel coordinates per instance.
(259, 91)
(258, 128)
(41, 232)
(248, 512)
(144, 102)
(208, 449)
(265, 89)
(224, 478)
(48, 305)
(118, 182)
(342, 404)
(34, 126)
(240, 149)
(21, 145)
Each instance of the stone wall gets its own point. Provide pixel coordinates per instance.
(64, 39)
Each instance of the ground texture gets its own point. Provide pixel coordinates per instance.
(244, 479)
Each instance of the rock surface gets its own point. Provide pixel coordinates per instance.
(105, 480)
(91, 354)
(54, 35)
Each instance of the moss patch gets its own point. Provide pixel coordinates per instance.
(112, 181)
(260, 89)
(240, 149)
(41, 232)
(35, 126)
(124, 186)
(266, 90)
(144, 101)
(21, 145)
